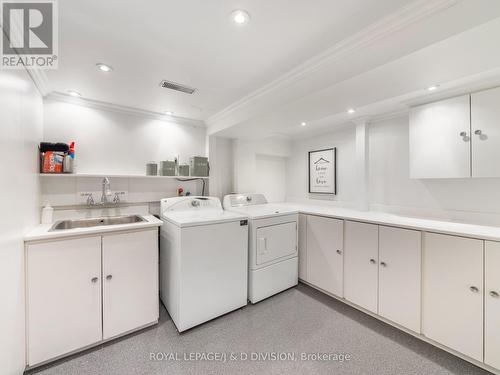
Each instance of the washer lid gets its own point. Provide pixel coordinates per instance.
(190, 203)
(201, 217)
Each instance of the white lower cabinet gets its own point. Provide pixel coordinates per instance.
(325, 253)
(453, 293)
(492, 304)
(82, 291)
(361, 264)
(443, 287)
(63, 297)
(130, 281)
(400, 276)
(302, 233)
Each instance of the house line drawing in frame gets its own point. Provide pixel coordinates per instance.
(322, 167)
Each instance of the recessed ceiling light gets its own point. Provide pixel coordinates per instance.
(432, 88)
(74, 93)
(104, 68)
(240, 17)
(351, 111)
(169, 113)
(303, 123)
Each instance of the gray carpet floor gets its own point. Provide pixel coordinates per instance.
(299, 320)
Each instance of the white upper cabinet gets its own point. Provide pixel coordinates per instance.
(457, 137)
(361, 264)
(325, 243)
(440, 139)
(485, 115)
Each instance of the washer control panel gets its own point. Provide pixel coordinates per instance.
(190, 203)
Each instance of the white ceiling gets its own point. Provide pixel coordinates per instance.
(193, 42)
(452, 45)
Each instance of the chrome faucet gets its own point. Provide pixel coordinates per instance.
(106, 191)
(105, 197)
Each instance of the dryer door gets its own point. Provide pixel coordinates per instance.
(276, 241)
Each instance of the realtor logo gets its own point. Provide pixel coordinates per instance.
(29, 34)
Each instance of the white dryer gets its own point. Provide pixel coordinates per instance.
(203, 260)
(273, 255)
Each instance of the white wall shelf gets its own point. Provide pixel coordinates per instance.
(98, 175)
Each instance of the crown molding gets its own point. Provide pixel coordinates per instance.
(106, 106)
(394, 22)
(41, 81)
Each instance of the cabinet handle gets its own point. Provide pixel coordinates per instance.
(109, 277)
(94, 279)
(463, 134)
(474, 289)
(494, 294)
(339, 252)
(478, 132)
(372, 261)
(383, 264)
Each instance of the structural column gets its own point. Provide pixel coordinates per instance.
(362, 161)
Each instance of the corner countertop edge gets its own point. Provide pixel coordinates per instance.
(41, 232)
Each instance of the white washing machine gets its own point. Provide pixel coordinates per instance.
(203, 260)
(273, 254)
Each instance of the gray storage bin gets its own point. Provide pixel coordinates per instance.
(198, 166)
(167, 168)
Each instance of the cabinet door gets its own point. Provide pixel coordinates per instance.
(303, 247)
(485, 115)
(400, 276)
(64, 297)
(453, 293)
(440, 139)
(130, 281)
(492, 305)
(325, 253)
(361, 264)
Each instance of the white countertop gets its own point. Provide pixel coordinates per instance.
(41, 232)
(383, 218)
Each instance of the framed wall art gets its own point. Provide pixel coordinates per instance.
(323, 171)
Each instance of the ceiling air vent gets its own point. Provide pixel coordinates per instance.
(177, 87)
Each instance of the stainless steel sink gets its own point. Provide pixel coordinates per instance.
(97, 222)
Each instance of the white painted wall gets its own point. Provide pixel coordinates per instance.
(466, 200)
(112, 142)
(271, 172)
(21, 116)
(259, 166)
(297, 167)
(220, 154)
(389, 186)
(66, 191)
(116, 142)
